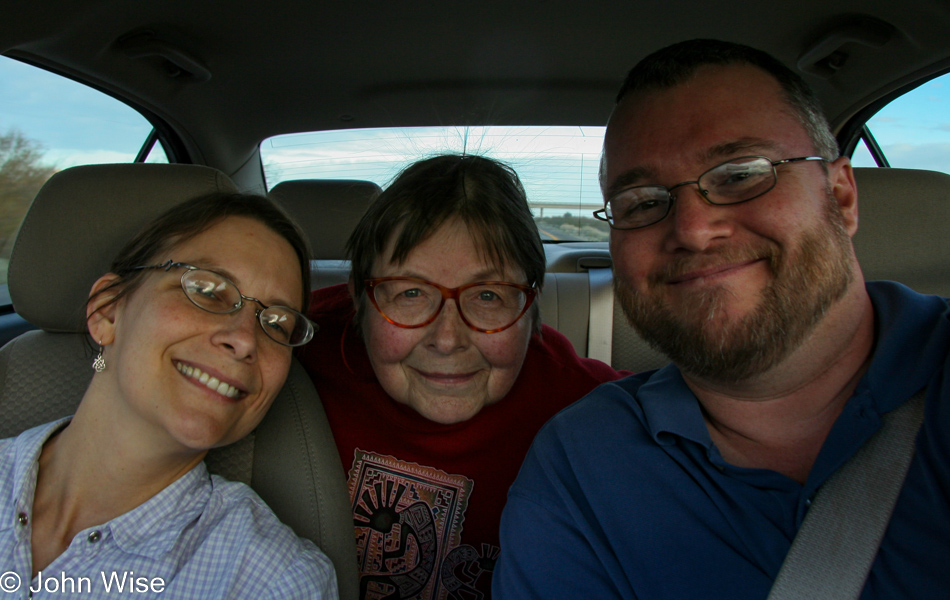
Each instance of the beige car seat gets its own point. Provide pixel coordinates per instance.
(902, 227)
(78, 221)
(902, 219)
(328, 210)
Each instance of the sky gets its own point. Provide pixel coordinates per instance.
(555, 164)
(77, 125)
(914, 130)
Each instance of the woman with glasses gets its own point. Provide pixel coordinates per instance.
(195, 325)
(436, 372)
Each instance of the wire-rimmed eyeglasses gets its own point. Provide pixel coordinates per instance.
(732, 182)
(217, 294)
(485, 306)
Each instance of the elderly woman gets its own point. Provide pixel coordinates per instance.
(435, 372)
(187, 362)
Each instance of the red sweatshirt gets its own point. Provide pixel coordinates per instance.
(427, 498)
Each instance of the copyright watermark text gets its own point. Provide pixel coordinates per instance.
(117, 582)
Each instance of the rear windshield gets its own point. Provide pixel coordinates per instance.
(557, 165)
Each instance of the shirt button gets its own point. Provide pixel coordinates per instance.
(94, 537)
(808, 502)
(22, 518)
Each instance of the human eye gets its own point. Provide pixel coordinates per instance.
(639, 205)
(646, 205)
(404, 293)
(493, 297)
(412, 296)
(208, 291)
(488, 296)
(278, 324)
(492, 305)
(738, 177)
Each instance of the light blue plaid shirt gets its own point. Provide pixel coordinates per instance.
(202, 537)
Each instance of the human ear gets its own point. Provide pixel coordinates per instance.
(845, 192)
(101, 308)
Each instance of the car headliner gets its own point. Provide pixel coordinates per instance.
(250, 70)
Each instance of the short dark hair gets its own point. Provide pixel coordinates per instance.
(188, 219)
(483, 193)
(674, 64)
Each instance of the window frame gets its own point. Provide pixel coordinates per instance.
(855, 130)
(161, 133)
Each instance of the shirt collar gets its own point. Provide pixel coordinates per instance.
(912, 334)
(23, 455)
(671, 409)
(151, 529)
(912, 338)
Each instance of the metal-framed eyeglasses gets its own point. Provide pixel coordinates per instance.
(217, 294)
(734, 181)
(485, 306)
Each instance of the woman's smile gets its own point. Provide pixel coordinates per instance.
(211, 382)
(445, 370)
(447, 378)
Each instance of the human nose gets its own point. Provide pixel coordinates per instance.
(696, 222)
(238, 332)
(448, 332)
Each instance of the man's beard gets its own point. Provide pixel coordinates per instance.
(700, 339)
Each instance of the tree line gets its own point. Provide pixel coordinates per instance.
(22, 174)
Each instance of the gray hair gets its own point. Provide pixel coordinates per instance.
(483, 193)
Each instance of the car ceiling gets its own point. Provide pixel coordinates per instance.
(250, 70)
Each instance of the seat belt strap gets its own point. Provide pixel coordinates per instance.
(600, 328)
(832, 553)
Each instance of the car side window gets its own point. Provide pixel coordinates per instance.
(911, 132)
(49, 123)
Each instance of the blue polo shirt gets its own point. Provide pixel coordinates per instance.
(624, 495)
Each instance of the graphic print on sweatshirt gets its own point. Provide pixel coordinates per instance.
(409, 520)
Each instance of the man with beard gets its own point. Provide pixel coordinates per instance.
(732, 217)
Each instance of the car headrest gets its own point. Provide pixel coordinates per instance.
(902, 219)
(79, 221)
(327, 210)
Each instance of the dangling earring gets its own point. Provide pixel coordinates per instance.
(99, 364)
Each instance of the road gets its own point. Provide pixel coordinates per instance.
(556, 235)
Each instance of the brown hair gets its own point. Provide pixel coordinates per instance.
(674, 64)
(188, 219)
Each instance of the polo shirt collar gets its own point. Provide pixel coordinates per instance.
(671, 409)
(912, 339)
